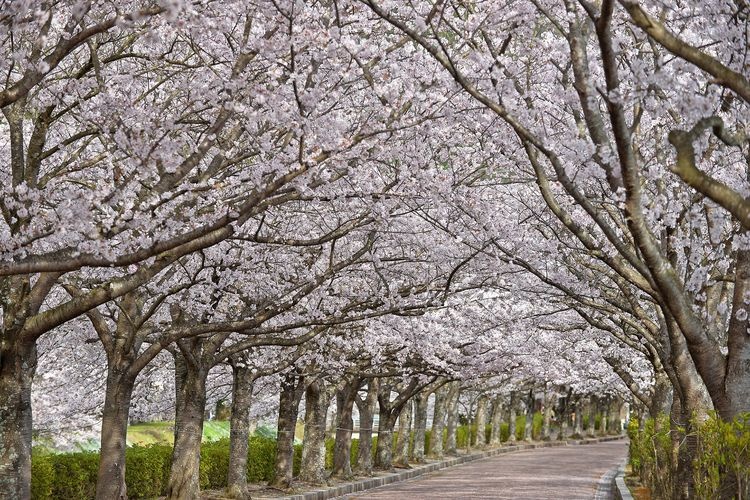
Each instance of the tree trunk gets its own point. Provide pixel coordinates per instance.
(592, 415)
(345, 398)
(564, 418)
(110, 480)
(190, 406)
(420, 426)
(17, 367)
(497, 420)
(547, 419)
(737, 380)
(512, 419)
(680, 485)
(366, 409)
(404, 435)
(438, 423)
(452, 419)
(579, 418)
(661, 397)
(312, 469)
(529, 423)
(384, 449)
(239, 429)
(289, 398)
(480, 420)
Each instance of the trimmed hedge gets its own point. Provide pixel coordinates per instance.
(73, 475)
(537, 423)
(462, 433)
(520, 427)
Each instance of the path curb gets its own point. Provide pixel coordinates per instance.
(374, 482)
(619, 488)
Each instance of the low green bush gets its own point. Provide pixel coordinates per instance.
(520, 427)
(43, 476)
(72, 476)
(536, 426)
(462, 436)
(261, 459)
(651, 454)
(722, 462)
(147, 470)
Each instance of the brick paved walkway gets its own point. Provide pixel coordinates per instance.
(565, 473)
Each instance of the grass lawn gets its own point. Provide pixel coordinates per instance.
(163, 432)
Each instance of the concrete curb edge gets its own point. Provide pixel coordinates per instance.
(619, 488)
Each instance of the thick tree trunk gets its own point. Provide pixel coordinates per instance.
(737, 380)
(312, 469)
(384, 449)
(452, 419)
(438, 423)
(289, 398)
(239, 429)
(497, 420)
(345, 398)
(110, 480)
(480, 421)
(404, 435)
(366, 409)
(661, 397)
(420, 427)
(17, 367)
(190, 406)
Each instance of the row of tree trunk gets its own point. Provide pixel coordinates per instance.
(398, 402)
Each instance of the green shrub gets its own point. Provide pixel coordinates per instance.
(354, 452)
(297, 464)
(651, 453)
(721, 462)
(487, 433)
(147, 470)
(505, 432)
(536, 426)
(72, 476)
(261, 459)
(462, 436)
(42, 476)
(637, 453)
(75, 475)
(520, 427)
(330, 442)
(723, 457)
(214, 465)
(598, 421)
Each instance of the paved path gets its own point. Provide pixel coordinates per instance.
(564, 473)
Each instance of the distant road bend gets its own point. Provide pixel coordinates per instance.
(560, 473)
